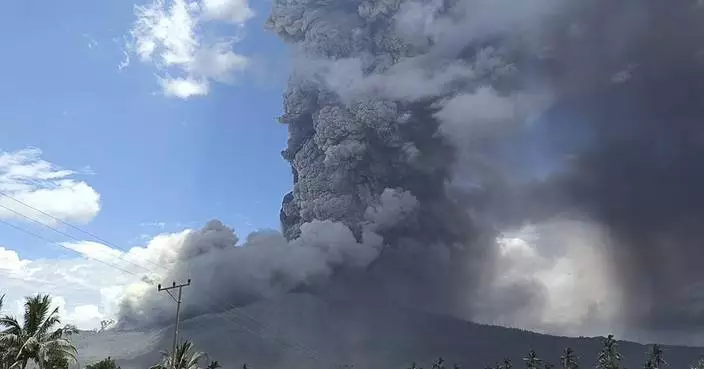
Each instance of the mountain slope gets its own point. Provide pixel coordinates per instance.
(343, 333)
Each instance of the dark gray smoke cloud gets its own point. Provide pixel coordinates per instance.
(629, 152)
(534, 164)
(496, 114)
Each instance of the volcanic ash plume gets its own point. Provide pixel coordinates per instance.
(532, 163)
(494, 115)
(417, 95)
(227, 274)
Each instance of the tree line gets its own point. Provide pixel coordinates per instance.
(41, 339)
(608, 358)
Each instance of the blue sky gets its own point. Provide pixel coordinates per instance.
(154, 158)
(131, 133)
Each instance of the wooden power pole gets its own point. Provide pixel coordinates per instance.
(178, 313)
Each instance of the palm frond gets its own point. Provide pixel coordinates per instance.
(61, 348)
(51, 321)
(10, 323)
(36, 310)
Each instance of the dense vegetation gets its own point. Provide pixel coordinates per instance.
(40, 339)
(609, 358)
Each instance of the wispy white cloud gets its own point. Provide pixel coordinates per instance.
(90, 41)
(168, 33)
(125, 61)
(42, 185)
(160, 225)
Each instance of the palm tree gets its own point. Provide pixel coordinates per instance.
(655, 358)
(568, 360)
(532, 360)
(609, 357)
(5, 354)
(186, 358)
(37, 338)
(108, 363)
(439, 364)
(699, 364)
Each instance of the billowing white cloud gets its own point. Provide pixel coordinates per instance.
(78, 286)
(168, 33)
(10, 261)
(88, 289)
(234, 11)
(184, 88)
(26, 178)
(574, 290)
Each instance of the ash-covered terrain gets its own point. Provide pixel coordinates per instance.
(304, 331)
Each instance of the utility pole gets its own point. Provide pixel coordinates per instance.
(178, 313)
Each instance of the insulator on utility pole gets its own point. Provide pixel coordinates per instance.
(178, 314)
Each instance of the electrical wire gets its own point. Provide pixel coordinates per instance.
(236, 311)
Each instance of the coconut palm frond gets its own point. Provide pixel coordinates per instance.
(39, 338)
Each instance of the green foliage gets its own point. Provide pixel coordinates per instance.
(5, 353)
(38, 338)
(186, 358)
(56, 362)
(106, 363)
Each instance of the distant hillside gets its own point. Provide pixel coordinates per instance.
(341, 334)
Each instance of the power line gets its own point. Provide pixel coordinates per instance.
(76, 239)
(65, 234)
(234, 310)
(94, 236)
(67, 248)
(232, 307)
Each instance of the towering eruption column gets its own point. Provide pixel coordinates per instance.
(372, 83)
